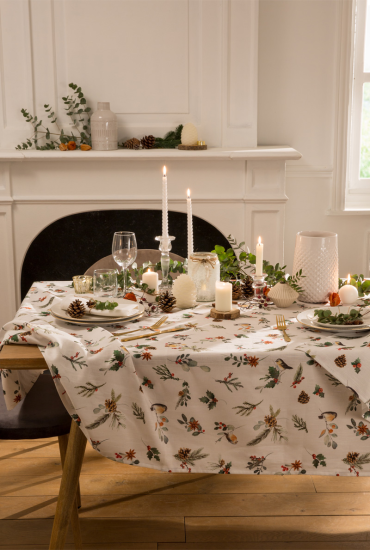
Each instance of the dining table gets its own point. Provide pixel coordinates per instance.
(220, 396)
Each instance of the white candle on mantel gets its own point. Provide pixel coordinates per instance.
(164, 204)
(259, 258)
(151, 279)
(224, 293)
(190, 226)
(348, 293)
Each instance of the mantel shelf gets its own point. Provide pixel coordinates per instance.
(216, 153)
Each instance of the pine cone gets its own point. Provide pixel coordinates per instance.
(303, 398)
(237, 290)
(110, 405)
(184, 453)
(270, 421)
(166, 302)
(247, 288)
(341, 361)
(148, 142)
(91, 303)
(132, 143)
(76, 309)
(352, 457)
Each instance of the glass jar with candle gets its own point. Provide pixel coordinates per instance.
(204, 269)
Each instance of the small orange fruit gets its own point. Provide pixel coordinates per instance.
(85, 147)
(130, 296)
(63, 147)
(71, 145)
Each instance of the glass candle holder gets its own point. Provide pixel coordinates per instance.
(259, 284)
(204, 269)
(82, 283)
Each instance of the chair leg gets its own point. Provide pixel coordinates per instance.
(66, 506)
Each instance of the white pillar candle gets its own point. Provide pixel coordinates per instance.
(348, 293)
(259, 258)
(190, 226)
(151, 279)
(224, 294)
(164, 204)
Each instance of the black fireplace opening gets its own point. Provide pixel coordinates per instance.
(69, 246)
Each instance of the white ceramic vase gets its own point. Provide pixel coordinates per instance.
(104, 128)
(316, 253)
(283, 295)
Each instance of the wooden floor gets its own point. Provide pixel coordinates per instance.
(134, 508)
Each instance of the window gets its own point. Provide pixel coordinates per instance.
(358, 179)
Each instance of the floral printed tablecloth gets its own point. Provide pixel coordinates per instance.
(226, 397)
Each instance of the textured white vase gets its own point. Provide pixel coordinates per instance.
(283, 295)
(104, 128)
(316, 253)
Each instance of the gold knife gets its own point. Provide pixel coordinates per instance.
(152, 334)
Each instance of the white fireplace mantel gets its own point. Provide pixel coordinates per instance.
(214, 153)
(245, 197)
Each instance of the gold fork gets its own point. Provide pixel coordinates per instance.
(154, 327)
(281, 325)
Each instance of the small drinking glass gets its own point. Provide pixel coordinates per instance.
(124, 251)
(105, 283)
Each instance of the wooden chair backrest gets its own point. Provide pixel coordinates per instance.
(143, 255)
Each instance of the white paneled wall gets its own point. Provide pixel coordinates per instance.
(160, 63)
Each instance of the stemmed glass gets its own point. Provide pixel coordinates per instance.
(124, 251)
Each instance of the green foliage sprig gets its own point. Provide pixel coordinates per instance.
(362, 285)
(171, 140)
(79, 112)
(237, 260)
(134, 281)
(105, 305)
(325, 316)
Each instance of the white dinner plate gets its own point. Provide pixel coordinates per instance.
(58, 311)
(100, 323)
(307, 317)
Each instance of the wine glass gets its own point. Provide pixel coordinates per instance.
(124, 251)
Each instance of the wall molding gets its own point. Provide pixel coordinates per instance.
(308, 171)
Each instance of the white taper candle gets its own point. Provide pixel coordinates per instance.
(259, 258)
(164, 204)
(190, 226)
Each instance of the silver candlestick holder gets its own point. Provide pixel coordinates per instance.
(165, 245)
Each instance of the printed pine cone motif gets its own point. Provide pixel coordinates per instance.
(148, 142)
(166, 302)
(247, 288)
(341, 361)
(76, 309)
(303, 398)
(132, 143)
(352, 457)
(184, 453)
(110, 405)
(237, 290)
(270, 421)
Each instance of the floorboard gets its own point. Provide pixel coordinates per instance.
(133, 508)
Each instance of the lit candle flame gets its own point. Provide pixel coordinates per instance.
(259, 240)
(349, 279)
(188, 193)
(149, 270)
(164, 171)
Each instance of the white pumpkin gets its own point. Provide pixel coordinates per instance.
(189, 134)
(283, 295)
(185, 291)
